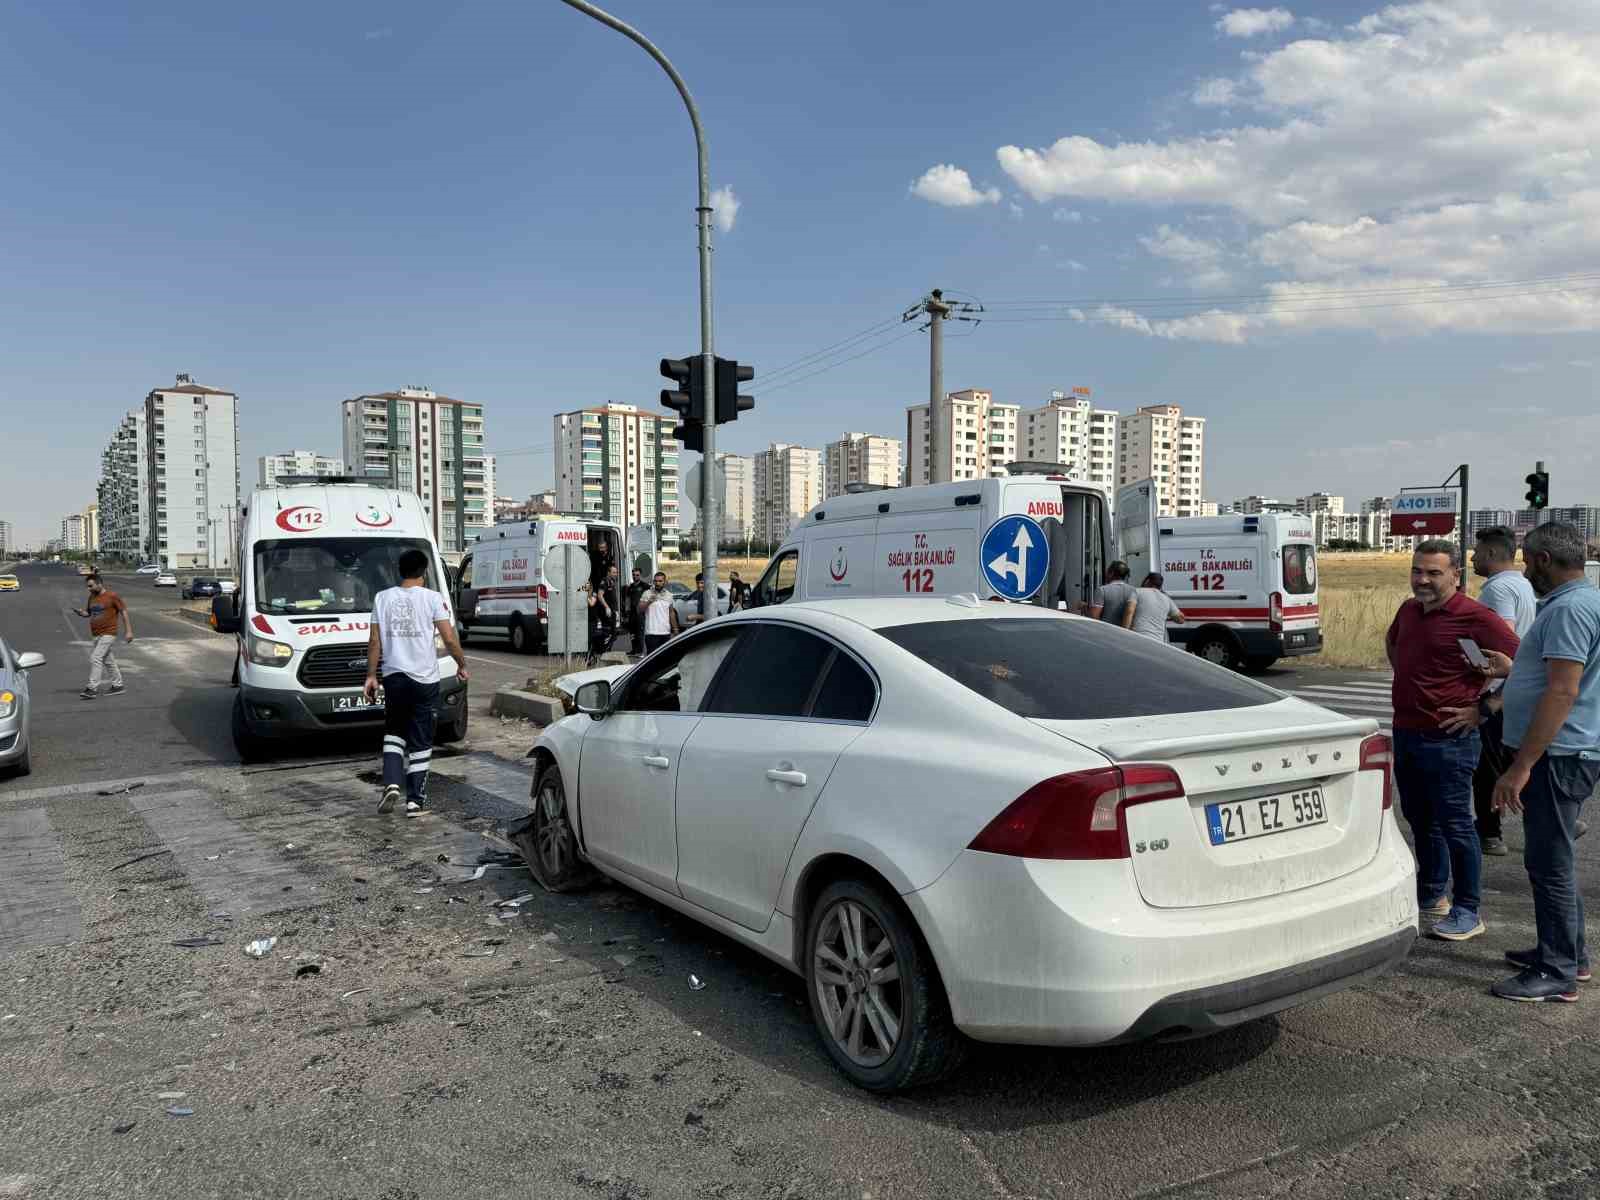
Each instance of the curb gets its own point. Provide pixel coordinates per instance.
(514, 702)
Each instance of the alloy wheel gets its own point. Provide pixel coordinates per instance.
(552, 833)
(856, 974)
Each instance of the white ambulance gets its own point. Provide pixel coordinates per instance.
(511, 580)
(311, 558)
(928, 540)
(1247, 585)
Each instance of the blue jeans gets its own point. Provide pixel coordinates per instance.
(1434, 774)
(1551, 803)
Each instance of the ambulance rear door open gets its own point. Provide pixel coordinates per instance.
(1075, 522)
(1138, 539)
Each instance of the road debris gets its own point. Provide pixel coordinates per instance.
(308, 969)
(514, 901)
(194, 943)
(123, 1128)
(141, 858)
(444, 858)
(478, 952)
(132, 787)
(261, 947)
(696, 984)
(180, 1112)
(623, 960)
(354, 992)
(171, 1095)
(422, 891)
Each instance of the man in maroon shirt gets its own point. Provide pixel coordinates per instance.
(1433, 767)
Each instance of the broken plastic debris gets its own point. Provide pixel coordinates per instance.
(194, 943)
(180, 1112)
(171, 1095)
(124, 1127)
(354, 992)
(444, 858)
(307, 969)
(696, 984)
(288, 845)
(478, 952)
(141, 858)
(422, 891)
(122, 790)
(260, 947)
(221, 914)
(515, 901)
(9, 1017)
(622, 959)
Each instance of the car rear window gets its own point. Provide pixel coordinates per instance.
(1299, 570)
(1074, 670)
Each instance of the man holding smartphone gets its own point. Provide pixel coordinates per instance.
(1434, 757)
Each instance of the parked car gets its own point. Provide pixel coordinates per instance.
(10, 583)
(147, 569)
(200, 587)
(228, 586)
(14, 745)
(166, 579)
(686, 606)
(960, 820)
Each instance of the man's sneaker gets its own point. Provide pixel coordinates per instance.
(1528, 960)
(413, 809)
(1531, 987)
(1495, 846)
(116, 689)
(88, 694)
(1439, 907)
(1461, 924)
(391, 797)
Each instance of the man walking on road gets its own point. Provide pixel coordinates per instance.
(660, 619)
(1433, 759)
(1552, 732)
(104, 609)
(1508, 593)
(404, 622)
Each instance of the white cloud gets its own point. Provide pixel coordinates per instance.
(1526, 368)
(1067, 216)
(951, 186)
(1172, 244)
(1014, 209)
(1252, 22)
(1583, 364)
(724, 208)
(1073, 264)
(1424, 147)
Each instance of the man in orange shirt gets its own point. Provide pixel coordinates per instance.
(104, 610)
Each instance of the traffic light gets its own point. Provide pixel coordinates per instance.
(688, 399)
(1538, 490)
(730, 375)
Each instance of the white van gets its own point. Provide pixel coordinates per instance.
(1247, 585)
(312, 557)
(509, 581)
(926, 540)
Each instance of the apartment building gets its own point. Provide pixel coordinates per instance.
(1484, 518)
(860, 458)
(272, 467)
(1158, 442)
(5, 538)
(739, 500)
(432, 445)
(983, 437)
(619, 463)
(192, 450)
(72, 532)
(1263, 504)
(788, 483)
(1320, 502)
(124, 480)
(91, 526)
(1069, 430)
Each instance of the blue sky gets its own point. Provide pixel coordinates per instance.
(302, 203)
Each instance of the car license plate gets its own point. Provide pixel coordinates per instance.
(1244, 819)
(356, 702)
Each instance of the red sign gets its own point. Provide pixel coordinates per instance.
(1417, 524)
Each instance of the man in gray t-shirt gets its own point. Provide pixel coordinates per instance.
(1112, 602)
(1153, 608)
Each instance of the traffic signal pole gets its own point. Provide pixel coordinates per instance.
(710, 518)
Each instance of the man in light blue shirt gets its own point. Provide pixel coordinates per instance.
(1552, 729)
(1508, 593)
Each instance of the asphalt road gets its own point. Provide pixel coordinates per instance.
(576, 1060)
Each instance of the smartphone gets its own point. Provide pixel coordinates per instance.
(1473, 653)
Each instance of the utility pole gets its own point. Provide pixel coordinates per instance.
(710, 524)
(940, 443)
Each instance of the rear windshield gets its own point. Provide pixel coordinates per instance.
(1299, 570)
(1074, 670)
(330, 575)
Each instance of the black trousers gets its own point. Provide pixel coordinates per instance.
(1492, 764)
(409, 712)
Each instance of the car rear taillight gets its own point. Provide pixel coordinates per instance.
(1078, 815)
(1377, 754)
(544, 593)
(1275, 612)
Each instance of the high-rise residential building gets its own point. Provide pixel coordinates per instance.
(91, 526)
(1158, 442)
(72, 532)
(1320, 502)
(272, 467)
(124, 516)
(192, 447)
(1484, 518)
(1210, 508)
(1585, 517)
(1263, 504)
(860, 458)
(787, 485)
(619, 463)
(1329, 527)
(739, 500)
(1069, 430)
(5, 538)
(422, 442)
(983, 437)
(489, 484)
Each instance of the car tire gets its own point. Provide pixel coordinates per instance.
(887, 1036)
(249, 747)
(546, 837)
(519, 636)
(454, 730)
(1219, 649)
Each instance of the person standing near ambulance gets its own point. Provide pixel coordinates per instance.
(404, 622)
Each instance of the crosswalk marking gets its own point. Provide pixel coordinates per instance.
(37, 906)
(1352, 698)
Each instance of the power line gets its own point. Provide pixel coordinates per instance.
(822, 370)
(880, 327)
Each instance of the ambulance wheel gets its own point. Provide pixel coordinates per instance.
(1256, 664)
(1220, 649)
(519, 636)
(249, 747)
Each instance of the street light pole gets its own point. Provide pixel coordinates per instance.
(710, 525)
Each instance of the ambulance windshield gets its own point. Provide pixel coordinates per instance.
(330, 575)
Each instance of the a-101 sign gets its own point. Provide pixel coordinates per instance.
(1424, 511)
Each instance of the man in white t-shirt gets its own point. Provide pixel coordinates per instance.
(660, 619)
(404, 622)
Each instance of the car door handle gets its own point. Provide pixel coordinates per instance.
(798, 778)
(657, 760)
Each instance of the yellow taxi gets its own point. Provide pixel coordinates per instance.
(10, 583)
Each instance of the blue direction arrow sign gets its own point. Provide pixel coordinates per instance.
(1015, 555)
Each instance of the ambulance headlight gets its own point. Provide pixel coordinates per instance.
(265, 652)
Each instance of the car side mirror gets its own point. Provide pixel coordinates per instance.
(593, 698)
(225, 612)
(29, 659)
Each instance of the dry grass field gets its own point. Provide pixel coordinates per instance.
(1358, 592)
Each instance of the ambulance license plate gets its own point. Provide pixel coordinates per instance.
(356, 702)
(1244, 819)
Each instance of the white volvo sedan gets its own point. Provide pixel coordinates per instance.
(962, 820)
